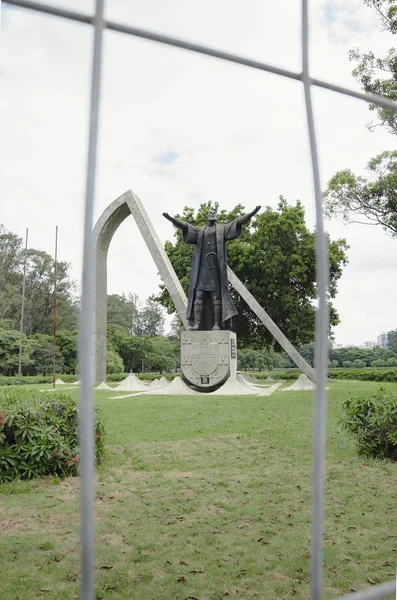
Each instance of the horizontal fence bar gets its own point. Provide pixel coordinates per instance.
(203, 50)
(383, 590)
(52, 10)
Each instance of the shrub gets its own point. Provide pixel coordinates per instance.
(378, 363)
(372, 419)
(359, 364)
(39, 435)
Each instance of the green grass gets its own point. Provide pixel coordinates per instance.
(206, 497)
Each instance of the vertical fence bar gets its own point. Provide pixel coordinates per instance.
(322, 326)
(86, 421)
(54, 370)
(22, 308)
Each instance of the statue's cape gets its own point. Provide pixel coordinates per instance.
(224, 233)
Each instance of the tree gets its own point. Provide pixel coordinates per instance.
(9, 351)
(67, 342)
(392, 340)
(39, 305)
(42, 355)
(359, 364)
(148, 319)
(347, 364)
(378, 74)
(353, 197)
(122, 310)
(378, 363)
(10, 275)
(276, 261)
(39, 287)
(152, 318)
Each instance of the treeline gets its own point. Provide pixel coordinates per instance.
(135, 343)
(136, 330)
(354, 357)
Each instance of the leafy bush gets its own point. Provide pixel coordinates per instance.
(378, 363)
(347, 364)
(372, 419)
(39, 435)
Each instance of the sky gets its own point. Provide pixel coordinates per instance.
(180, 129)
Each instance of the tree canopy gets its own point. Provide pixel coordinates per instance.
(275, 259)
(353, 197)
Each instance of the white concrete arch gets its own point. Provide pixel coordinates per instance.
(104, 230)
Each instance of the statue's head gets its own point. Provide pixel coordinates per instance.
(212, 216)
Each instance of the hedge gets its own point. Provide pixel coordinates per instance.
(357, 374)
(364, 374)
(39, 435)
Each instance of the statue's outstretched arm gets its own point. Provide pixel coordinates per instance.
(248, 216)
(177, 222)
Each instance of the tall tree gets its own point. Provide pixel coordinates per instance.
(276, 261)
(39, 304)
(10, 275)
(122, 310)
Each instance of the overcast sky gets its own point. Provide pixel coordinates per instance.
(180, 129)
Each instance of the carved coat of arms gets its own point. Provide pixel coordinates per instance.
(205, 358)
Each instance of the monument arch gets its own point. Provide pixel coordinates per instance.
(104, 230)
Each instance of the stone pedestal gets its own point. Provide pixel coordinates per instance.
(208, 358)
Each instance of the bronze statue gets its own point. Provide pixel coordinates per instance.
(209, 303)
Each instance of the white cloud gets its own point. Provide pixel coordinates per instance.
(238, 135)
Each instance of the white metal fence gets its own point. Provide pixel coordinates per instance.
(322, 274)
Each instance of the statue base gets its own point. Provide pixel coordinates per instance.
(208, 358)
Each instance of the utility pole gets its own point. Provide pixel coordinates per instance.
(22, 308)
(55, 307)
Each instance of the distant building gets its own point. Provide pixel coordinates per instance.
(369, 344)
(383, 340)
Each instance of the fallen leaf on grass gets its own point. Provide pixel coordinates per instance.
(181, 579)
(182, 562)
(107, 567)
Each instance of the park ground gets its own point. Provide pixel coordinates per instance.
(206, 498)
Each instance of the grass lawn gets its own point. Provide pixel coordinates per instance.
(206, 498)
